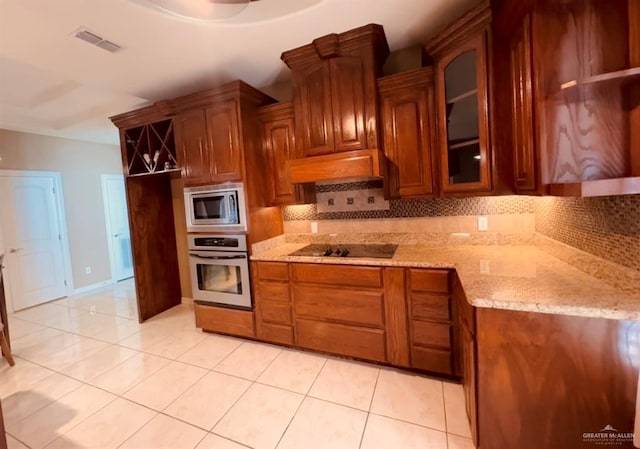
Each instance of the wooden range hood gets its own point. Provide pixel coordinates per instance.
(336, 106)
(348, 164)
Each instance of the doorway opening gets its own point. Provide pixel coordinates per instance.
(117, 223)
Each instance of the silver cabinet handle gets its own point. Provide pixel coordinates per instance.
(219, 257)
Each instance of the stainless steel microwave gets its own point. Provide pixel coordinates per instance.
(215, 208)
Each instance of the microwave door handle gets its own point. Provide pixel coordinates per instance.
(240, 256)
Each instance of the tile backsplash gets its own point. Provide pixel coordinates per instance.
(608, 227)
(403, 208)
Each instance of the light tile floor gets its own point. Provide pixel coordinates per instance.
(88, 375)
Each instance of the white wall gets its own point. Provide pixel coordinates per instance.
(81, 165)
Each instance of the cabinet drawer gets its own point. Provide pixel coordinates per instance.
(275, 271)
(348, 306)
(338, 275)
(227, 321)
(431, 334)
(276, 333)
(436, 281)
(436, 360)
(340, 339)
(275, 312)
(428, 306)
(273, 291)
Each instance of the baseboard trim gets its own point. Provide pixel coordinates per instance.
(187, 300)
(88, 288)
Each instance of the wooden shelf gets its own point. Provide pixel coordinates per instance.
(599, 187)
(157, 172)
(465, 143)
(461, 97)
(610, 78)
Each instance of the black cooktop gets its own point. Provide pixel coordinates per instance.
(377, 251)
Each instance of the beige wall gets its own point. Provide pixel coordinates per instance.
(80, 164)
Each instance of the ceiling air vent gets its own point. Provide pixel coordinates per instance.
(94, 39)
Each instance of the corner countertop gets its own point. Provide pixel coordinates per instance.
(511, 277)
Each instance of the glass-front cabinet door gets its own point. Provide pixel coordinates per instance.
(463, 118)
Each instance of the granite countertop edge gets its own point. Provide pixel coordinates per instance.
(481, 291)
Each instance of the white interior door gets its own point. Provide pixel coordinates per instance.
(117, 221)
(33, 238)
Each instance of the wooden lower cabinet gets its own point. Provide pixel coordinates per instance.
(272, 300)
(432, 326)
(225, 321)
(351, 341)
(544, 380)
(276, 333)
(469, 378)
(403, 317)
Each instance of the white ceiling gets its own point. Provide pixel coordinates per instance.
(52, 83)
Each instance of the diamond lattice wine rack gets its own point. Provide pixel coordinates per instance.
(151, 149)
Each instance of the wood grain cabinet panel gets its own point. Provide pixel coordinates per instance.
(422, 280)
(193, 153)
(275, 312)
(224, 141)
(275, 271)
(544, 380)
(430, 359)
(277, 333)
(368, 344)
(344, 305)
(395, 317)
(226, 321)
(433, 327)
(338, 275)
(272, 300)
(429, 306)
(314, 115)
(334, 93)
(280, 146)
(526, 167)
(408, 131)
(431, 334)
(273, 291)
(348, 103)
(469, 378)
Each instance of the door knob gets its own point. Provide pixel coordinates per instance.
(14, 250)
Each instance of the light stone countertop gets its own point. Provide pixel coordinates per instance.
(512, 277)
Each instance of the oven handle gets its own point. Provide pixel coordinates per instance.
(240, 256)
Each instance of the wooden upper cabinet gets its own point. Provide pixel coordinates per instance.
(462, 103)
(191, 136)
(408, 132)
(279, 146)
(526, 167)
(314, 120)
(223, 136)
(334, 90)
(463, 123)
(348, 103)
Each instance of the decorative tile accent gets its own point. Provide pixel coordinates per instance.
(351, 201)
(434, 207)
(346, 186)
(608, 227)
